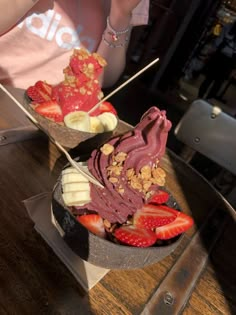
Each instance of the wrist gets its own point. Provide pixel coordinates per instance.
(119, 21)
(115, 38)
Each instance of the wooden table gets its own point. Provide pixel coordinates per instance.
(198, 278)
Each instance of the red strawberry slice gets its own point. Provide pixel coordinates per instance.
(34, 95)
(134, 236)
(94, 223)
(44, 88)
(160, 197)
(181, 224)
(151, 216)
(107, 107)
(49, 109)
(40, 92)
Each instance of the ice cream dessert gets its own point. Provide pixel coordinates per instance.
(131, 207)
(68, 102)
(129, 168)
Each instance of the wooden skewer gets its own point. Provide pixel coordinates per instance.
(81, 170)
(123, 84)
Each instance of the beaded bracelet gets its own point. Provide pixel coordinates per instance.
(113, 45)
(115, 36)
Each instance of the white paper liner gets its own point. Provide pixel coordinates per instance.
(39, 210)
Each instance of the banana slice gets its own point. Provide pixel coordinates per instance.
(78, 186)
(75, 187)
(96, 125)
(73, 178)
(76, 198)
(108, 120)
(78, 120)
(73, 170)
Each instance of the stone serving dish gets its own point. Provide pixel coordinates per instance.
(102, 252)
(67, 137)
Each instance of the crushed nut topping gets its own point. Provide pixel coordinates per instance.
(106, 223)
(82, 90)
(146, 172)
(130, 173)
(114, 169)
(113, 180)
(120, 157)
(107, 149)
(100, 59)
(141, 181)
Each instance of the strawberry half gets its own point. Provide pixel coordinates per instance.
(94, 223)
(181, 224)
(134, 236)
(34, 95)
(44, 88)
(107, 107)
(40, 92)
(152, 216)
(160, 197)
(49, 109)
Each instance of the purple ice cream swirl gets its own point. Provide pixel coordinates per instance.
(144, 146)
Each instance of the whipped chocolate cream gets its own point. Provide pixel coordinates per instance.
(129, 168)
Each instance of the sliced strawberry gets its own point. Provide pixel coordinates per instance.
(44, 88)
(94, 223)
(50, 109)
(160, 197)
(34, 95)
(40, 92)
(181, 224)
(151, 216)
(134, 236)
(107, 107)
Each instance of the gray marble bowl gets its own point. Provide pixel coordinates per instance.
(102, 252)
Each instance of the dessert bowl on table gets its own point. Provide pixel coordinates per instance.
(67, 111)
(133, 221)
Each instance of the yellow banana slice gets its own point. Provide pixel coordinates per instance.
(73, 178)
(76, 198)
(96, 125)
(73, 170)
(78, 186)
(78, 120)
(108, 120)
(75, 187)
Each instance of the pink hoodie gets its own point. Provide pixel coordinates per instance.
(44, 41)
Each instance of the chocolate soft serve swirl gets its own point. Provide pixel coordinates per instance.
(127, 166)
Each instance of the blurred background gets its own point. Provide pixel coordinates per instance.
(180, 33)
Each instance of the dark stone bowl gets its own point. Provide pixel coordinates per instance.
(102, 252)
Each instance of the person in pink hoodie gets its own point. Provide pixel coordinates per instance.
(37, 37)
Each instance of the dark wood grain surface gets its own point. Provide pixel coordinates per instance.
(197, 278)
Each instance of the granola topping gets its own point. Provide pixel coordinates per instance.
(107, 149)
(141, 181)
